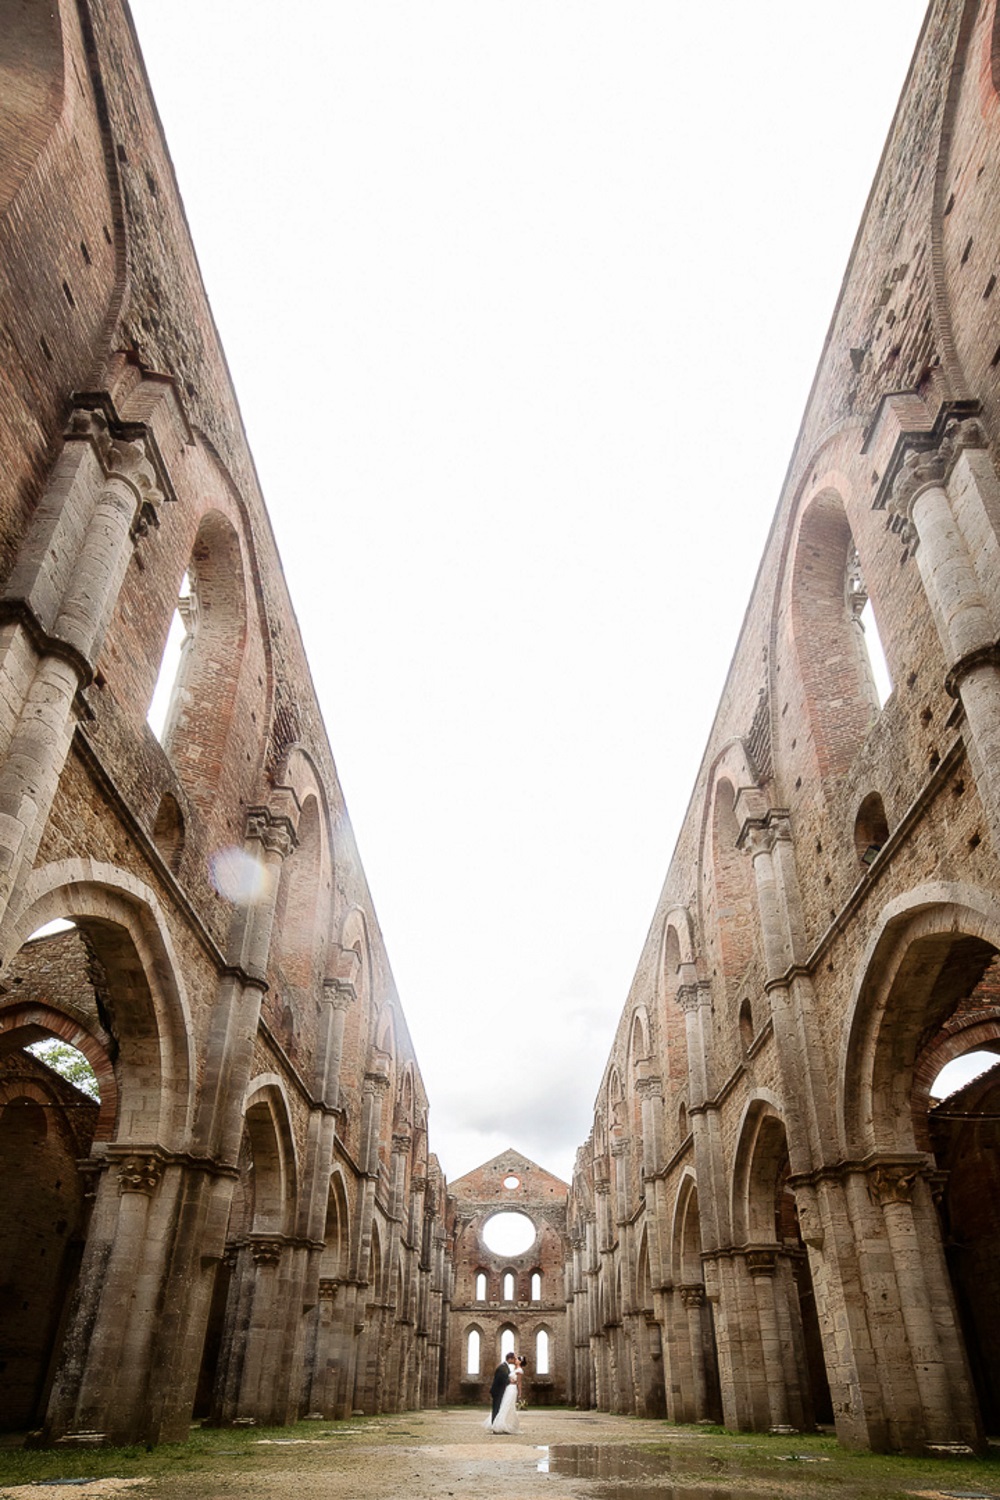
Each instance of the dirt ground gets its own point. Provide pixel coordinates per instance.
(447, 1455)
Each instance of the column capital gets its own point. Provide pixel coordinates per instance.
(276, 833)
(266, 1249)
(339, 994)
(328, 1288)
(762, 1261)
(650, 1087)
(693, 1295)
(691, 997)
(401, 1145)
(139, 1172)
(761, 835)
(925, 467)
(890, 1183)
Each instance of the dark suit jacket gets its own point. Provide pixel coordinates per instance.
(501, 1380)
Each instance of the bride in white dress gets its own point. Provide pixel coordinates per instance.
(507, 1419)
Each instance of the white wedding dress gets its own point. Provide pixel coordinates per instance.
(507, 1419)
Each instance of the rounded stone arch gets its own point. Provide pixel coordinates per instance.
(267, 1126)
(615, 1095)
(640, 1037)
(376, 1267)
(685, 1232)
(677, 967)
(760, 1160)
(304, 910)
(22, 1024)
(216, 617)
(643, 1275)
(840, 698)
(147, 1000)
(335, 1259)
(727, 894)
(405, 1111)
(929, 947)
(32, 85)
(473, 1339)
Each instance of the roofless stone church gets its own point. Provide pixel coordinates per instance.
(774, 1222)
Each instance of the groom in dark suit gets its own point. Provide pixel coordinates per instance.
(501, 1380)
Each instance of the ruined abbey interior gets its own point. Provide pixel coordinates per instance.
(773, 1223)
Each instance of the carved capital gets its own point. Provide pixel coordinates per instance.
(762, 1262)
(762, 835)
(892, 1184)
(919, 471)
(618, 1147)
(266, 1249)
(375, 1085)
(401, 1145)
(418, 1185)
(923, 468)
(140, 1173)
(691, 997)
(328, 1288)
(693, 1295)
(339, 994)
(276, 834)
(649, 1088)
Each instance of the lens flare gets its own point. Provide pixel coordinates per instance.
(239, 877)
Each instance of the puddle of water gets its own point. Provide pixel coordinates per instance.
(625, 1468)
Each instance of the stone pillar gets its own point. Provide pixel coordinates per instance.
(108, 1359)
(693, 1299)
(939, 496)
(948, 1405)
(55, 611)
(375, 1088)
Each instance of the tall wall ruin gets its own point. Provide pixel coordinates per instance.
(249, 1223)
(771, 1223)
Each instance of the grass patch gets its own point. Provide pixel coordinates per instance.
(208, 1449)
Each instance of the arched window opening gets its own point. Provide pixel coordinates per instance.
(682, 1120)
(735, 897)
(163, 704)
(746, 1025)
(877, 663)
(961, 1071)
(201, 697)
(480, 1286)
(168, 831)
(472, 1355)
(508, 1286)
(536, 1286)
(68, 1062)
(871, 828)
(542, 1353)
(506, 1342)
(829, 597)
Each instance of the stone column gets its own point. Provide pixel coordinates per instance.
(949, 1410)
(693, 1298)
(55, 611)
(375, 1088)
(131, 1357)
(938, 496)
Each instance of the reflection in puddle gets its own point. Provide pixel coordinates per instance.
(628, 1466)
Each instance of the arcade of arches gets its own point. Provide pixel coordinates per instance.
(234, 1211)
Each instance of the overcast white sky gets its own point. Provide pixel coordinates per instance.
(522, 300)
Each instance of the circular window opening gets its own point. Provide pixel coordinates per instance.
(512, 1182)
(509, 1233)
